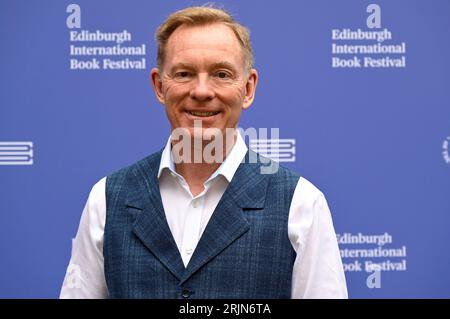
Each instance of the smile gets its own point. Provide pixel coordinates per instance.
(203, 114)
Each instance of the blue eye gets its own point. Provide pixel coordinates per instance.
(223, 75)
(182, 74)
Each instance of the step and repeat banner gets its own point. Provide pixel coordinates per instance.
(358, 90)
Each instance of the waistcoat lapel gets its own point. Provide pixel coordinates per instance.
(247, 190)
(151, 226)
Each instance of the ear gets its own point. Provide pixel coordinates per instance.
(250, 89)
(157, 84)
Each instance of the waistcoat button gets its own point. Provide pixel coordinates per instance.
(186, 293)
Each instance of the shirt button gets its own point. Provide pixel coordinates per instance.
(186, 293)
(195, 203)
(189, 251)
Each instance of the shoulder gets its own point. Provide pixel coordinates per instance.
(98, 190)
(271, 168)
(307, 195)
(150, 162)
(281, 181)
(308, 189)
(308, 208)
(308, 200)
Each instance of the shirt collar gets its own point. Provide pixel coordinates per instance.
(226, 169)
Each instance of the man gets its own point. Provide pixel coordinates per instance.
(178, 225)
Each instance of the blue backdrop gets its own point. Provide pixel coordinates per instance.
(375, 140)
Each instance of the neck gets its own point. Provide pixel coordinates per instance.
(197, 168)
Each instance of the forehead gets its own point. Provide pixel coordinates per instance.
(203, 43)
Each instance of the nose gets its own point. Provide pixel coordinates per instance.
(201, 89)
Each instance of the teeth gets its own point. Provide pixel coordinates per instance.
(203, 114)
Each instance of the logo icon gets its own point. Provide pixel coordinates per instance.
(445, 152)
(16, 153)
(374, 279)
(279, 150)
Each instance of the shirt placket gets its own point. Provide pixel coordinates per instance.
(191, 230)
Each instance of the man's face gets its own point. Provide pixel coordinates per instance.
(204, 78)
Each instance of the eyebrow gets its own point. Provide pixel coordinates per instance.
(216, 65)
(224, 65)
(181, 65)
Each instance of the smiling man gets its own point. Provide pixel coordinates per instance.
(204, 76)
(178, 225)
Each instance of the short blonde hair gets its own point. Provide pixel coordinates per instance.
(195, 16)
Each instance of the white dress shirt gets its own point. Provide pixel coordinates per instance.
(317, 272)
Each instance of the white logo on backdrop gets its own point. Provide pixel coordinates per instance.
(98, 50)
(16, 153)
(371, 47)
(280, 150)
(445, 147)
(372, 254)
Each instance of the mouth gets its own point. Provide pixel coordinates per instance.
(202, 113)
